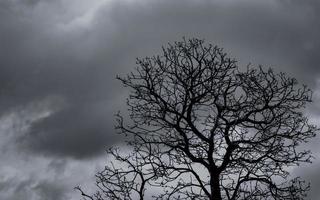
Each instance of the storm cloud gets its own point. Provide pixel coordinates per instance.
(59, 60)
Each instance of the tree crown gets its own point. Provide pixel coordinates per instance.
(202, 128)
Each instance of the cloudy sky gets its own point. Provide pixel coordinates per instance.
(59, 59)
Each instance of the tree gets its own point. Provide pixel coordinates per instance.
(201, 128)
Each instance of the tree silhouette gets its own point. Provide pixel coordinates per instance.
(201, 128)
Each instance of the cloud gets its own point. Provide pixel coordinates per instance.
(46, 179)
(19, 190)
(59, 59)
(80, 133)
(42, 62)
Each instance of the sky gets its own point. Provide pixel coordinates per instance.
(59, 60)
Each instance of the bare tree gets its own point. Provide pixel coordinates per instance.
(203, 129)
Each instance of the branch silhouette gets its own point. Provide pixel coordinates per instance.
(201, 128)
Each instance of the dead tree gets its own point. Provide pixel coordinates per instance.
(204, 129)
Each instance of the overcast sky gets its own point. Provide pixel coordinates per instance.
(59, 60)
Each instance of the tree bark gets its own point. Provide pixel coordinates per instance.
(215, 187)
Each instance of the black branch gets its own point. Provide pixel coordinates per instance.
(201, 128)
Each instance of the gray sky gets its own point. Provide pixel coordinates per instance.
(59, 59)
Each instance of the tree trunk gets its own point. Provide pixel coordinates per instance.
(215, 187)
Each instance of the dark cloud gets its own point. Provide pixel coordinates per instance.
(281, 35)
(40, 61)
(77, 132)
(72, 50)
